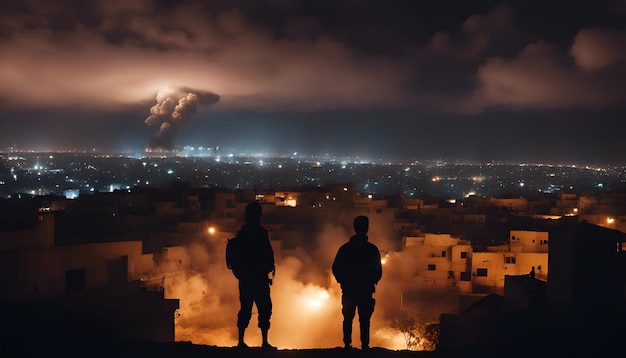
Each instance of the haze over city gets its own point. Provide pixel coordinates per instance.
(530, 81)
(483, 139)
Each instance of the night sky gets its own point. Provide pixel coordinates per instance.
(528, 80)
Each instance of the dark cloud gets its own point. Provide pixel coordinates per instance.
(430, 57)
(595, 49)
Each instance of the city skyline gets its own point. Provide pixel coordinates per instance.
(71, 174)
(517, 81)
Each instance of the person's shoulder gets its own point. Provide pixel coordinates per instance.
(345, 246)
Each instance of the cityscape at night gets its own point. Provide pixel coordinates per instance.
(73, 174)
(475, 148)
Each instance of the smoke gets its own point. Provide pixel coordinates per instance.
(306, 298)
(172, 112)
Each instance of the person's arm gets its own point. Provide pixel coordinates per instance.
(377, 266)
(337, 268)
(271, 264)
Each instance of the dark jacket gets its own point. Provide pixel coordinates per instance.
(357, 266)
(257, 254)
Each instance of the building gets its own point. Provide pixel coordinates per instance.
(91, 289)
(579, 310)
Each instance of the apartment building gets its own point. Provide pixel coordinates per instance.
(446, 261)
(92, 288)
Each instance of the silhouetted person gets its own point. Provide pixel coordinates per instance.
(254, 282)
(532, 272)
(358, 269)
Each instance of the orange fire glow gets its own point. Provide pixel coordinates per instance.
(306, 314)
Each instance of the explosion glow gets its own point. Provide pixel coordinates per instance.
(315, 300)
(306, 314)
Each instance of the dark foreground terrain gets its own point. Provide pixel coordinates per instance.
(190, 350)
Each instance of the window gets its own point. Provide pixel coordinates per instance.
(509, 259)
(463, 254)
(465, 276)
(451, 274)
(481, 272)
(432, 267)
(443, 254)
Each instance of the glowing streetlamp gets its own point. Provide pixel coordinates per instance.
(610, 222)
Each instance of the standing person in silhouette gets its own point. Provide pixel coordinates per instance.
(357, 268)
(257, 262)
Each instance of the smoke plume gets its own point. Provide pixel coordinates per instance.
(172, 112)
(306, 298)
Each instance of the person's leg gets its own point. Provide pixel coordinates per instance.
(241, 342)
(366, 309)
(245, 311)
(264, 306)
(348, 310)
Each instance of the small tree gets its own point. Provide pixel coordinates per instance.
(409, 326)
(431, 336)
(417, 335)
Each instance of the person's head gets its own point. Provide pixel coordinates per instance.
(361, 224)
(253, 212)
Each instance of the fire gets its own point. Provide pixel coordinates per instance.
(306, 307)
(391, 338)
(316, 300)
(384, 259)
